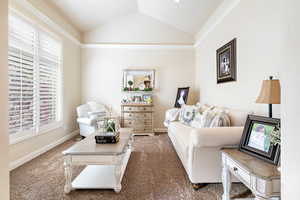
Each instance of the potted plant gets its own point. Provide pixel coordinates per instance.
(130, 83)
(110, 126)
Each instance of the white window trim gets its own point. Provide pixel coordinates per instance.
(25, 135)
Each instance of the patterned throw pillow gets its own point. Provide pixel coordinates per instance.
(220, 120)
(187, 114)
(197, 121)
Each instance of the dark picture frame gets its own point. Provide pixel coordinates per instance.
(182, 95)
(256, 138)
(226, 62)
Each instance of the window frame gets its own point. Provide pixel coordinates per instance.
(40, 130)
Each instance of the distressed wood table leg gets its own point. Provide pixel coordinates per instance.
(118, 174)
(226, 180)
(68, 174)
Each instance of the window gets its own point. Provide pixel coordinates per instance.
(34, 60)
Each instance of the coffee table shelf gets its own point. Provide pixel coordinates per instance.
(105, 163)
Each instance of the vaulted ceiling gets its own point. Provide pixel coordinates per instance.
(186, 15)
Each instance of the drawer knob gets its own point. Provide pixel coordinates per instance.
(235, 169)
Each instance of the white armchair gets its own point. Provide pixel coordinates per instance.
(88, 115)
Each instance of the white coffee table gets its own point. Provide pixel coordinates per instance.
(105, 163)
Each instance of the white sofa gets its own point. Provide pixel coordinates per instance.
(199, 148)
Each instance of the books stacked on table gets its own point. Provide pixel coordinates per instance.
(107, 138)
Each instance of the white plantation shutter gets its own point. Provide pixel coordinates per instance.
(21, 75)
(34, 60)
(49, 62)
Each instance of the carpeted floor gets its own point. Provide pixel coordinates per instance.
(154, 172)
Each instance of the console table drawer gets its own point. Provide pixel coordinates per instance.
(137, 108)
(137, 115)
(132, 123)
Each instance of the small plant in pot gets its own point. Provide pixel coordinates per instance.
(110, 126)
(130, 83)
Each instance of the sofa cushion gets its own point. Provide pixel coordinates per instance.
(181, 132)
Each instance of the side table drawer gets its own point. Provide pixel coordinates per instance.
(238, 171)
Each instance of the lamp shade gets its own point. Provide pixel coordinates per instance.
(270, 92)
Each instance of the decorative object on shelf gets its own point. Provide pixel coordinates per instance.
(130, 83)
(226, 62)
(182, 96)
(269, 93)
(147, 98)
(138, 80)
(256, 138)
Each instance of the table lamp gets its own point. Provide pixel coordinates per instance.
(269, 93)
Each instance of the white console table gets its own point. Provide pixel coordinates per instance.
(262, 178)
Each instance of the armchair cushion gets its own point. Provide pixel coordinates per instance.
(216, 137)
(86, 121)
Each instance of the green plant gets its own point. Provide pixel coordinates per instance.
(275, 136)
(136, 89)
(110, 126)
(125, 89)
(130, 83)
(148, 89)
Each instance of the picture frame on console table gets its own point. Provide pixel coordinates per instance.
(256, 138)
(226, 62)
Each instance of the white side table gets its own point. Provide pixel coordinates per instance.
(262, 178)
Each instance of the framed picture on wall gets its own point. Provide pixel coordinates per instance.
(182, 96)
(256, 138)
(226, 62)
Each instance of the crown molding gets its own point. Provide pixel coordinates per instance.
(48, 21)
(137, 46)
(216, 18)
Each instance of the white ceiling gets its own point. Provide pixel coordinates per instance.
(187, 15)
(89, 14)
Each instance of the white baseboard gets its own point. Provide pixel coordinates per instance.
(29, 157)
(160, 130)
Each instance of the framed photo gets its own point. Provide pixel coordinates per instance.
(182, 96)
(256, 138)
(226, 62)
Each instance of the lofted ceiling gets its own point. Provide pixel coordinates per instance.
(186, 15)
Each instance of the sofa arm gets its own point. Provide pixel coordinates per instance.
(216, 137)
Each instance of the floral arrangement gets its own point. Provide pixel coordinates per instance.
(276, 136)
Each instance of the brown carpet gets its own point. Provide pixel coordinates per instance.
(154, 172)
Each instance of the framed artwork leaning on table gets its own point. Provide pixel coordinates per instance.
(256, 138)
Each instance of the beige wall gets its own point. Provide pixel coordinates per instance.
(257, 27)
(4, 178)
(137, 28)
(290, 115)
(71, 90)
(102, 74)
